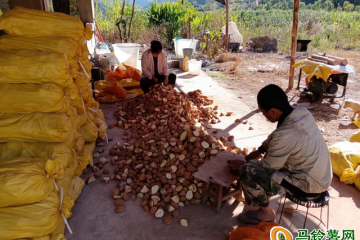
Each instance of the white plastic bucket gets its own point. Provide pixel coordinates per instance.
(127, 53)
(195, 67)
(180, 44)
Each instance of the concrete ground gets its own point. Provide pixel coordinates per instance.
(94, 217)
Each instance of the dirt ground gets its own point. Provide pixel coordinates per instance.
(256, 70)
(93, 213)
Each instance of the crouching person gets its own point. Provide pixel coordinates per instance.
(297, 158)
(155, 68)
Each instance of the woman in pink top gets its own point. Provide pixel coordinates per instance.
(155, 68)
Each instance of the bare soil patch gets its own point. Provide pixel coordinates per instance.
(247, 76)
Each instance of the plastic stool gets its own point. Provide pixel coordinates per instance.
(315, 202)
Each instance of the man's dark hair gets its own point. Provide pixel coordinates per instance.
(156, 46)
(272, 96)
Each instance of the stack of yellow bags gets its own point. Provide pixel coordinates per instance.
(345, 160)
(49, 121)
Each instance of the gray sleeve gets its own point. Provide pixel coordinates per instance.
(280, 149)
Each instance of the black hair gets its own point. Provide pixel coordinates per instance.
(272, 96)
(156, 46)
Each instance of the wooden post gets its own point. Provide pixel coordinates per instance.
(293, 42)
(190, 19)
(86, 10)
(227, 26)
(131, 19)
(205, 195)
(219, 194)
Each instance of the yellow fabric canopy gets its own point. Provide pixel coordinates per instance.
(314, 69)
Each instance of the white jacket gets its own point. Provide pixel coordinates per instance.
(147, 64)
(297, 150)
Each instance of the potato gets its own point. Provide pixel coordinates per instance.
(159, 213)
(119, 209)
(184, 222)
(168, 219)
(166, 142)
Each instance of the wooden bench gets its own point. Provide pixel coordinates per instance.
(216, 176)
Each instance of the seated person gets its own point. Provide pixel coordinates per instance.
(155, 68)
(296, 159)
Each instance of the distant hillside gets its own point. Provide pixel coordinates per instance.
(147, 3)
(141, 3)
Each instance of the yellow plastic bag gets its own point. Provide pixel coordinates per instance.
(27, 66)
(79, 141)
(111, 98)
(84, 60)
(41, 24)
(27, 182)
(96, 113)
(32, 220)
(355, 137)
(102, 127)
(81, 81)
(29, 98)
(97, 116)
(314, 69)
(57, 151)
(71, 186)
(89, 131)
(345, 160)
(73, 193)
(54, 44)
(78, 103)
(58, 233)
(128, 83)
(78, 120)
(36, 127)
(76, 186)
(85, 157)
(131, 86)
(351, 176)
(357, 122)
(87, 95)
(47, 237)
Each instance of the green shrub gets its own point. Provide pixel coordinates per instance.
(171, 16)
(107, 13)
(327, 29)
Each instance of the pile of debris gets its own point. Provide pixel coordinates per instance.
(263, 44)
(166, 142)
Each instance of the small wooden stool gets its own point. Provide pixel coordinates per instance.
(216, 176)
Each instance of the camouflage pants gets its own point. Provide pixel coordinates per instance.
(257, 184)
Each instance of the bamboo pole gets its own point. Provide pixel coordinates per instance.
(227, 27)
(294, 42)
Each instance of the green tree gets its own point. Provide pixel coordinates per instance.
(4, 5)
(348, 7)
(170, 16)
(107, 14)
(328, 5)
(302, 6)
